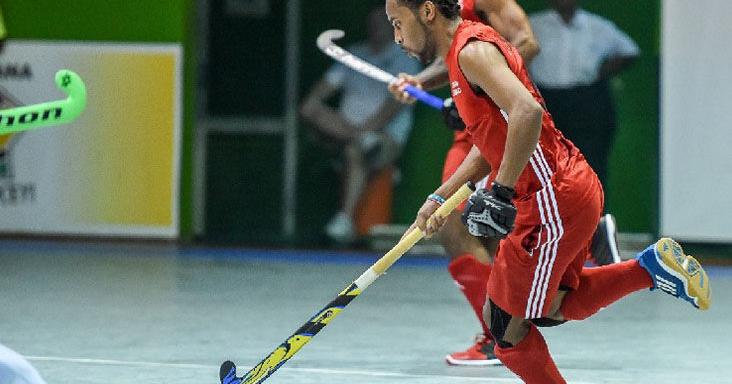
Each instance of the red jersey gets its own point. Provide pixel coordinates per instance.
(488, 125)
(467, 11)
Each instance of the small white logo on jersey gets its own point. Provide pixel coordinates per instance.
(455, 88)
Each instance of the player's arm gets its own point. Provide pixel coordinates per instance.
(485, 66)
(473, 168)
(316, 111)
(434, 75)
(510, 20)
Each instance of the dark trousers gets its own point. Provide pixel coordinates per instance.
(586, 116)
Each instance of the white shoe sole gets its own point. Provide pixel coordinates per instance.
(472, 363)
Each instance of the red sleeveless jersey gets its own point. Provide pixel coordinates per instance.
(487, 124)
(467, 11)
(461, 139)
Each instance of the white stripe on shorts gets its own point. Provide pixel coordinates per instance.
(550, 219)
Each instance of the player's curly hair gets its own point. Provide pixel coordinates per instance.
(448, 8)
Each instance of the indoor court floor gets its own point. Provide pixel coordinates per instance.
(109, 313)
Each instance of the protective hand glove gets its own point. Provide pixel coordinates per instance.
(490, 213)
(451, 116)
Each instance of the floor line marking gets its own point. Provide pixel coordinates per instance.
(286, 369)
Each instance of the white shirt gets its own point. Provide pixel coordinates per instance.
(362, 96)
(572, 54)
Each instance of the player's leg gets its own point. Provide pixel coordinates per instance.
(523, 282)
(534, 267)
(470, 268)
(469, 265)
(662, 265)
(521, 347)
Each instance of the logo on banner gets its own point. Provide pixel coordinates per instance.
(16, 71)
(12, 193)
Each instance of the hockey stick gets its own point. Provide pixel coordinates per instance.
(51, 113)
(326, 44)
(285, 351)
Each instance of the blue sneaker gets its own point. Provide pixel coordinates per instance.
(677, 274)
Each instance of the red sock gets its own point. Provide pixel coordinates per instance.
(602, 286)
(530, 360)
(472, 277)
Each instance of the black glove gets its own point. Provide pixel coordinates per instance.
(451, 116)
(490, 213)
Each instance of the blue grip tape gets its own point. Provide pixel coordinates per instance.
(431, 100)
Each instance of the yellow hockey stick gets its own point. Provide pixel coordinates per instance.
(302, 336)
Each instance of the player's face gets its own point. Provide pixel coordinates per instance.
(410, 32)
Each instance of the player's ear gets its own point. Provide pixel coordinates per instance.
(428, 11)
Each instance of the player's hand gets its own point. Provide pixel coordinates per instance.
(490, 213)
(451, 116)
(397, 88)
(423, 221)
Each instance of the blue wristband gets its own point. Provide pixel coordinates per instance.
(436, 198)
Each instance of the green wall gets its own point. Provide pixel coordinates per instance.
(167, 21)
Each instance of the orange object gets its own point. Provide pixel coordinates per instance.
(375, 204)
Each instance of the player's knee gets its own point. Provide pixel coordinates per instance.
(457, 241)
(498, 321)
(545, 322)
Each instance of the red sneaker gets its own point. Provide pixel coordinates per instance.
(480, 354)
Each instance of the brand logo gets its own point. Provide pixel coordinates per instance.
(666, 285)
(455, 88)
(15, 71)
(12, 193)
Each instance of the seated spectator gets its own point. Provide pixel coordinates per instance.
(369, 125)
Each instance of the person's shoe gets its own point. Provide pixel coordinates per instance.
(604, 247)
(480, 354)
(676, 273)
(341, 229)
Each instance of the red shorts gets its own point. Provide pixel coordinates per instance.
(459, 150)
(549, 244)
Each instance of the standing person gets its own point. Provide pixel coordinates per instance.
(14, 369)
(583, 52)
(369, 124)
(544, 199)
(469, 259)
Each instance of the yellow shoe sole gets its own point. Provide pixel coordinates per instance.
(688, 269)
